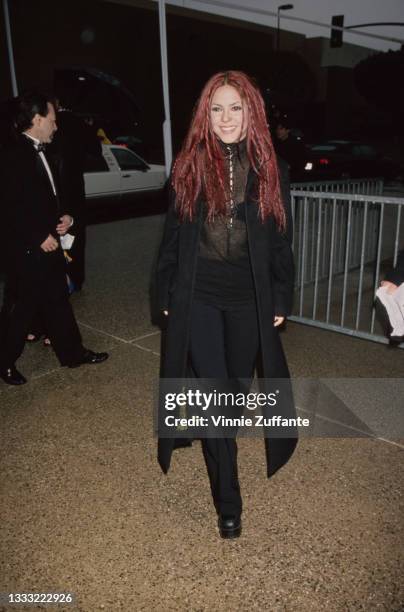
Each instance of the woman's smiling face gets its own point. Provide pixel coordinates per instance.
(228, 115)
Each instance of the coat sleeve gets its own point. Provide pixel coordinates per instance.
(22, 227)
(168, 255)
(283, 271)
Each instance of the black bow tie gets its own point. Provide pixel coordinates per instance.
(38, 146)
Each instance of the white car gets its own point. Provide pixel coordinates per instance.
(120, 174)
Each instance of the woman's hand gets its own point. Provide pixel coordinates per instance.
(278, 321)
(391, 287)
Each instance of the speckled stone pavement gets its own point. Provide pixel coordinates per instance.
(85, 508)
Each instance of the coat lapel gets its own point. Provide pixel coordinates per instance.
(40, 169)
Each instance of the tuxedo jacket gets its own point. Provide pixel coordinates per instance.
(29, 208)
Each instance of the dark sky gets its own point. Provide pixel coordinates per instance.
(124, 42)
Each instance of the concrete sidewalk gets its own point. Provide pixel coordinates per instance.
(85, 508)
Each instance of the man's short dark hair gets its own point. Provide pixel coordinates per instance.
(26, 106)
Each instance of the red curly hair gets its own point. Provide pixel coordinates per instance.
(200, 168)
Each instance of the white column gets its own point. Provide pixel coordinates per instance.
(10, 48)
(168, 149)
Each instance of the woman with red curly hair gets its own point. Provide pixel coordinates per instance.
(225, 270)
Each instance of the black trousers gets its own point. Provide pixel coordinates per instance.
(223, 345)
(36, 284)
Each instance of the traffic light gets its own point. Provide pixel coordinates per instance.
(336, 35)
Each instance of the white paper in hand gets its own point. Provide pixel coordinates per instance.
(66, 241)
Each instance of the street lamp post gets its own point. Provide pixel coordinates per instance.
(10, 48)
(282, 7)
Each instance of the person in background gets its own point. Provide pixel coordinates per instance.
(72, 143)
(289, 147)
(395, 276)
(33, 224)
(102, 137)
(390, 301)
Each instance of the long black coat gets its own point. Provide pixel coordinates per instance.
(273, 274)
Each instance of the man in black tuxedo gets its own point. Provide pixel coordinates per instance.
(33, 223)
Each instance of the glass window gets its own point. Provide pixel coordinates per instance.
(127, 160)
(366, 151)
(323, 148)
(95, 163)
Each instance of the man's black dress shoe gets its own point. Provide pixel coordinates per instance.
(229, 526)
(89, 357)
(12, 376)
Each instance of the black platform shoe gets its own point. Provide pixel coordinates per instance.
(229, 526)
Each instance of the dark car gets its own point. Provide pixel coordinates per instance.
(339, 159)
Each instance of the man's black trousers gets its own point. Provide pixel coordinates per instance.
(36, 284)
(223, 345)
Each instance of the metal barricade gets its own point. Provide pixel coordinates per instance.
(367, 186)
(343, 244)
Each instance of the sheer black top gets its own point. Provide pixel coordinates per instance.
(223, 276)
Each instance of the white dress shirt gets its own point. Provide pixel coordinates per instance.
(44, 161)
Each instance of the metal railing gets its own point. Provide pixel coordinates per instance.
(343, 244)
(367, 186)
